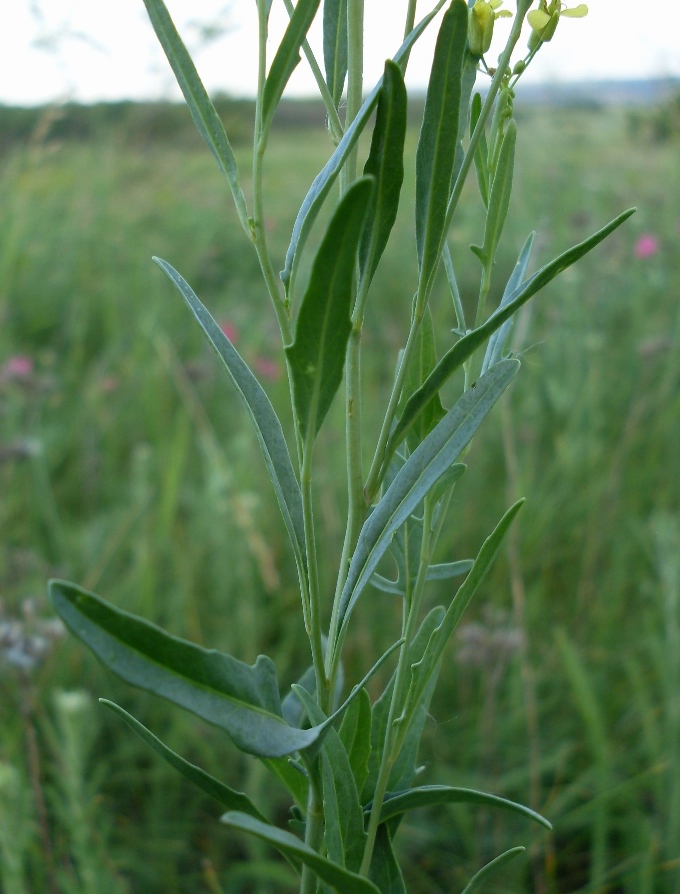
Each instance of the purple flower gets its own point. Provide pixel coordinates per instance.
(646, 246)
(18, 367)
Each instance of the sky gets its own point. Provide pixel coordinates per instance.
(92, 50)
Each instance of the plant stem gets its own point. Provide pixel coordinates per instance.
(334, 123)
(355, 76)
(313, 834)
(410, 17)
(392, 743)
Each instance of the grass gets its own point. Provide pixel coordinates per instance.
(131, 472)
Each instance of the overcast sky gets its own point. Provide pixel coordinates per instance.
(88, 50)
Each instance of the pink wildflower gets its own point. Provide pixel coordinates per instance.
(267, 368)
(19, 367)
(229, 330)
(646, 246)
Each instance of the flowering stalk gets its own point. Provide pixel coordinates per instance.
(349, 763)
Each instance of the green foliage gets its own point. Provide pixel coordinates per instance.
(342, 782)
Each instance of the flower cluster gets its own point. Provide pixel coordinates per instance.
(481, 18)
(545, 19)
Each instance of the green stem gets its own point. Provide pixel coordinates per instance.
(355, 75)
(374, 475)
(334, 123)
(313, 834)
(394, 738)
(410, 17)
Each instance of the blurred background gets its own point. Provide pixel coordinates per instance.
(127, 464)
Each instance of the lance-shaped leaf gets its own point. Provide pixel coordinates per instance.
(335, 46)
(499, 198)
(423, 361)
(386, 163)
(286, 58)
(202, 110)
(217, 790)
(267, 426)
(324, 180)
(487, 871)
(339, 878)
(436, 151)
(419, 474)
(385, 871)
(345, 836)
(459, 353)
(317, 356)
(494, 349)
(482, 152)
(239, 698)
(429, 795)
(422, 670)
(381, 708)
(355, 735)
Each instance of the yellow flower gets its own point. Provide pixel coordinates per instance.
(544, 20)
(480, 24)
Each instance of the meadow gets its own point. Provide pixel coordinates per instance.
(126, 466)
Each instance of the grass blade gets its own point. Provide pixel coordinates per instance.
(202, 110)
(339, 878)
(335, 46)
(418, 475)
(317, 357)
(428, 795)
(386, 163)
(325, 179)
(459, 353)
(439, 136)
(267, 426)
(217, 790)
(286, 58)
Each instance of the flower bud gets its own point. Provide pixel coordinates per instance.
(480, 27)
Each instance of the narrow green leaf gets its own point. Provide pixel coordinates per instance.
(492, 867)
(447, 570)
(217, 790)
(436, 151)
(499, 198)
(335, 46)
(459, 353)
(423, 361)
(325, 179)
(202, 110)
(286, 58)
(482, 153)
(385, 871)
(355, 734)
(497, 341)
(267, 426)
(422, 670)
(290, 777)
(345, 834)
(339, 878)
(241, 699)
(386, 163)
(317, 357)
(381, 708)
(422, 470)
(429, 795)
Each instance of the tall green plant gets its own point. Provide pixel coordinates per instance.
(348, 763)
